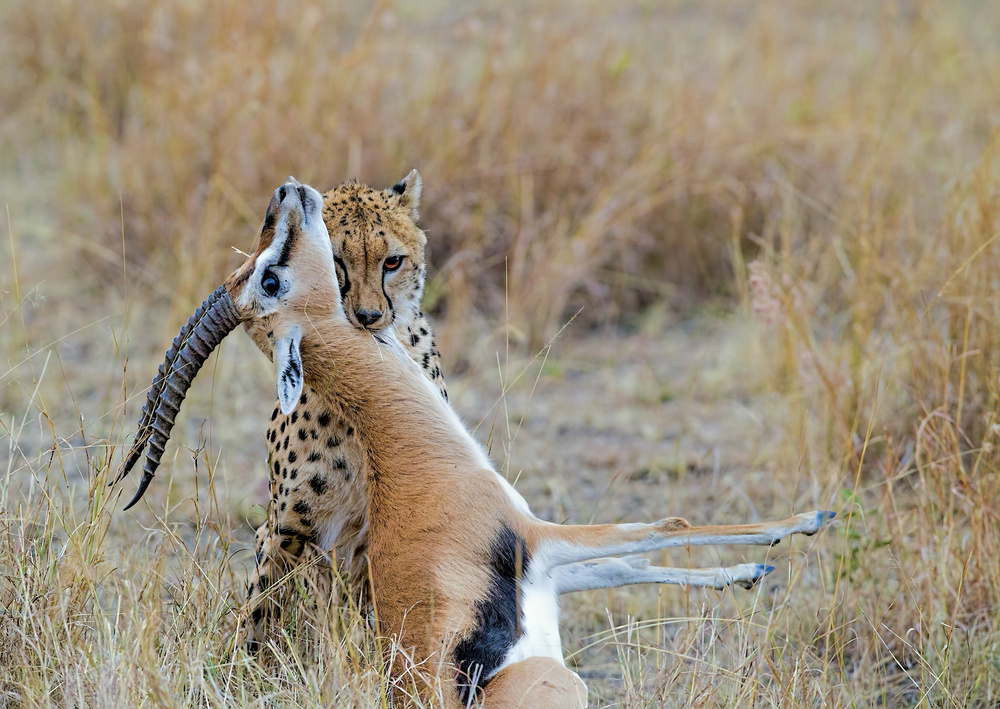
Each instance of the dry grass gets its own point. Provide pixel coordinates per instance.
(780, 219)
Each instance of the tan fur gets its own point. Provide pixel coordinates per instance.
(430, 534)
(365, 226)
(535, 683)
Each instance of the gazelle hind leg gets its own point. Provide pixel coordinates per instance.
(535, 683)
(557, 544)
(615, 572)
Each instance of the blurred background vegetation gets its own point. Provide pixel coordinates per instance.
(575, 154)
(817, 180)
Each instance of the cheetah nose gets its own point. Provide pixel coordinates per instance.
(368, 317)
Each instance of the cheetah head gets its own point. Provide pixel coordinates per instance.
(378, 251)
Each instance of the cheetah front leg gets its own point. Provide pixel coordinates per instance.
(279, 543)
(258, 607)
(317, 499)
(264, 604)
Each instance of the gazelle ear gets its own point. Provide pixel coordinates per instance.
(407, 192)
(288, 361)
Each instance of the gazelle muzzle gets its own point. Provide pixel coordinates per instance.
(215, 318)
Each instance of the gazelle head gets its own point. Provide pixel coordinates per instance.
(286, 285)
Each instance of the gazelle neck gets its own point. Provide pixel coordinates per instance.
(399, 415)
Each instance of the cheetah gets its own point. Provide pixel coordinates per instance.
(379, 257)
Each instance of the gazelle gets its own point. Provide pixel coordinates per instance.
(464, 577)
(378, 251)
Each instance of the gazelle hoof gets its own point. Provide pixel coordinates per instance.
(822, 516)
(762, 571)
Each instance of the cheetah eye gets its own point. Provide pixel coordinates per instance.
(270, 283)
(392, 263)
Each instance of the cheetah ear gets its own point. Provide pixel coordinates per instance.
(407, 192)
(288, 360)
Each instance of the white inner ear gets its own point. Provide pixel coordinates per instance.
(288, 361)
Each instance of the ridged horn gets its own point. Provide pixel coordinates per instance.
(215, 318)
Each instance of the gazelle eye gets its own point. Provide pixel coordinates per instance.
(270, 283)
(392, 263)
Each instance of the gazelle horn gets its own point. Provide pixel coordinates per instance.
(215, 318)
